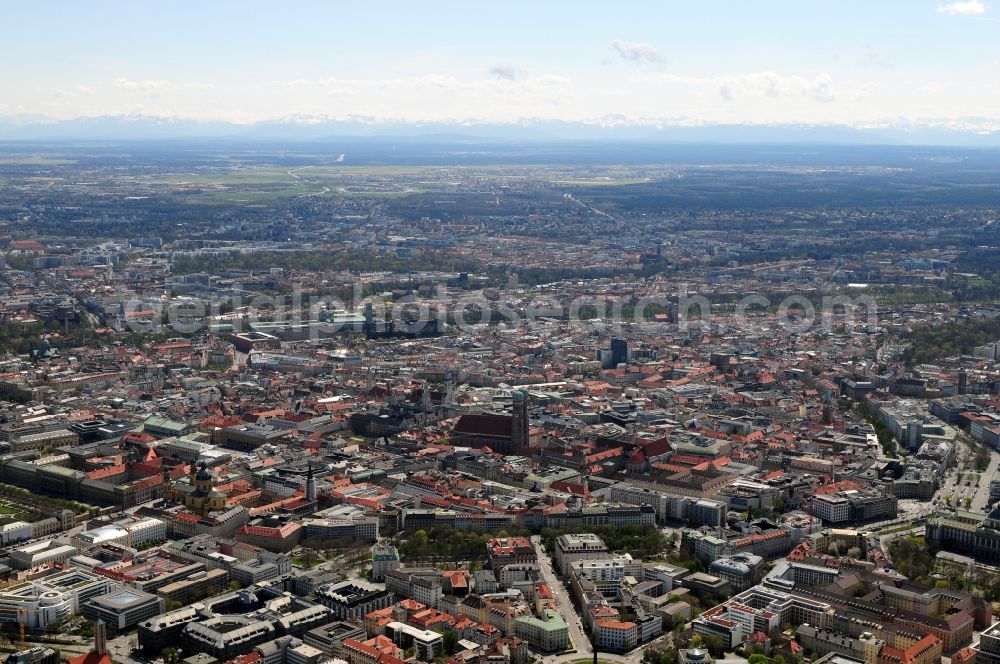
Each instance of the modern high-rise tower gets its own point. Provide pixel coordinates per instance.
(619, 351)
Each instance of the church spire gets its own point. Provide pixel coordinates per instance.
(310, 484)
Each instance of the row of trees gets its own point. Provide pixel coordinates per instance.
(644, 542)
(990, 587)
(22, 338)
(932, 342)
(668, 654)
(447, 545)
(981, 457)
(911, 557)
(885, 437)
(325, 260)
(984, 263)
(42, 505)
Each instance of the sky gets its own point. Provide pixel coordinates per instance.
(861, 63)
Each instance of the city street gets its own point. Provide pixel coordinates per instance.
(578, 639)
(304, 358)
(961, 483)
(957, 483)
(909, 510)
(983, 487)
(121, 649)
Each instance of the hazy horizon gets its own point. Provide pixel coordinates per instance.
(905, 66)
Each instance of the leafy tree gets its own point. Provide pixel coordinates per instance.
(981, 458)
(449, 640)
(933, 342)
(325, 261)
(445, 544)
(645, 542)
(666, 655)
(990, 585)
(715, 645)
(885, 438)
(911, 557)
(309, 557)
(693, 565)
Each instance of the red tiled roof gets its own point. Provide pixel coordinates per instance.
(90, 658)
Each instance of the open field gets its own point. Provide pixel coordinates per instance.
(601, 181)
(34, 160)
(244, 185)
(436, 175)
(337, 170)
(250, 176)
(252, 185)
(254, 196)
(10, 512)
(243, 182)
(267, 184)
(30, 506)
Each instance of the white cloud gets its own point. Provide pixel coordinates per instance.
(775, 86)
(872, 59)
(74, 92)
(491, 93)
(638, 52)
(962, 8)
(438, 83)
(153, 88)
(504, 73)
(146, 86)
(767, 85)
